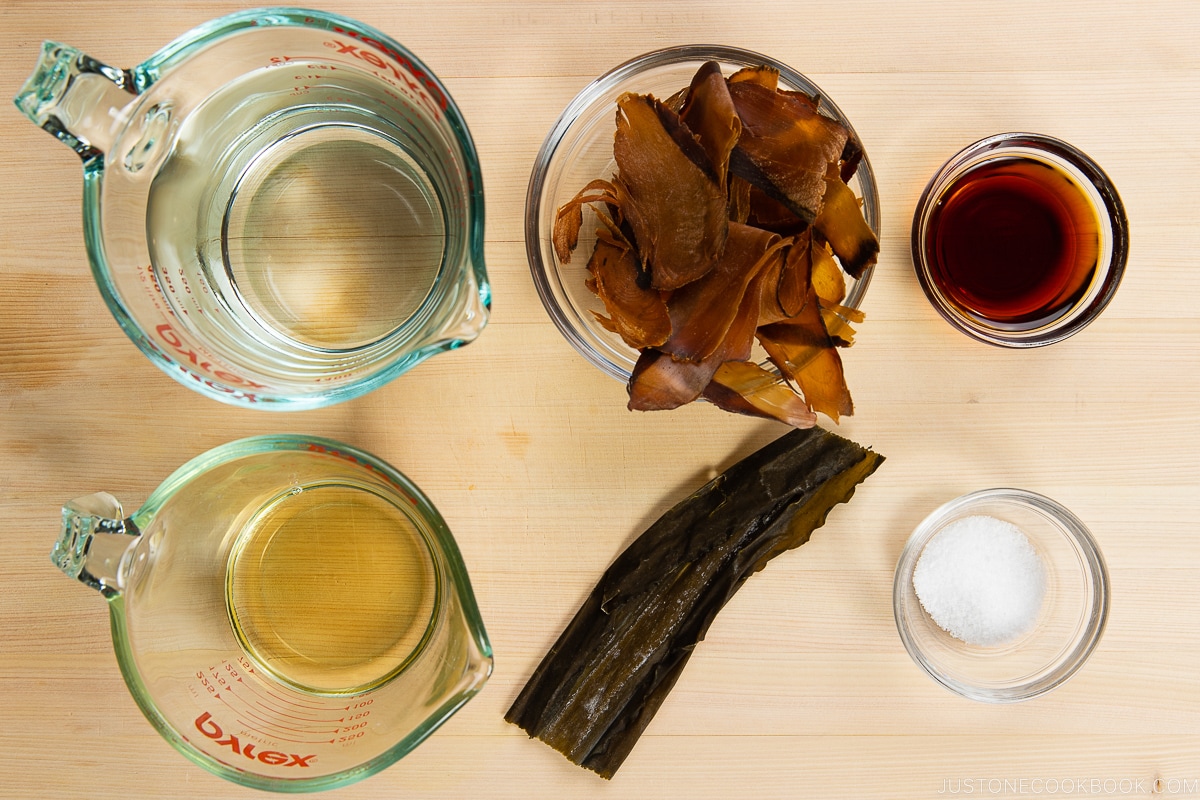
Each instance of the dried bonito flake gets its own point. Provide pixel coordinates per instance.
(729, 219)
(786, 147)
(668, 193)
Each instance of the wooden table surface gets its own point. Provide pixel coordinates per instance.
(802, 688)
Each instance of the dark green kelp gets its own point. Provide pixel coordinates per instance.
(610, 670)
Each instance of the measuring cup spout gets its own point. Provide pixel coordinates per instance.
(76, 98)
(94, 542)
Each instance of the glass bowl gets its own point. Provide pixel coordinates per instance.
(1072, 617)
(579, 149)
(1098, 192)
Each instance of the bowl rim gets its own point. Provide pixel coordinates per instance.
(545, 275)
(1071, 527)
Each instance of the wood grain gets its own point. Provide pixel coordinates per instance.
(802, 689)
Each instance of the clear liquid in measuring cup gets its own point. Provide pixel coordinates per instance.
(330, 240)
(295, 232)
(331, 589)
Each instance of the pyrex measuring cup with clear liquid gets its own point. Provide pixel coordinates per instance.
(282, 208)
(290, 613)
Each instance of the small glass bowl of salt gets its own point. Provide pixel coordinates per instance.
(1001, 595)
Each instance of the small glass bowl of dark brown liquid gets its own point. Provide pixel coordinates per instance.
(1020, 240)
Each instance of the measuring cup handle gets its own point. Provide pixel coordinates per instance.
(76, 98)
(94, 541)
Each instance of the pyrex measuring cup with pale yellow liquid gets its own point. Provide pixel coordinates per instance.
(289, 612)
(282, 208)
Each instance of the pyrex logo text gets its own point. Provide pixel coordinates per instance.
(206, 725)
(173, 340)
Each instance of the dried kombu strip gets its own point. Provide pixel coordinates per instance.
(610, 670)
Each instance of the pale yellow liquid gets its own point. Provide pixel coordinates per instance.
(332, 589)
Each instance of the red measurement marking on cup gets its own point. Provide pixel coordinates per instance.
(229, 677)
(225, 696)
(279, 720)
(283, 732)
(329, 451)
(333, 378)
(181, 349)
(154, 291)
(245, 666)
(412, 82)
(351, 721)
(178, 351)
(273, 727)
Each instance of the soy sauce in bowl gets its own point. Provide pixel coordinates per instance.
(1020, 240)
(1014, 241)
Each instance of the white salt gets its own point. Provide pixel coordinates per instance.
(980, 579)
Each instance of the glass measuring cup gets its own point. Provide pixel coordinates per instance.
(282, 208)
(290, 613)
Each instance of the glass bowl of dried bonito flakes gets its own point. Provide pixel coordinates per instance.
(702, 222)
